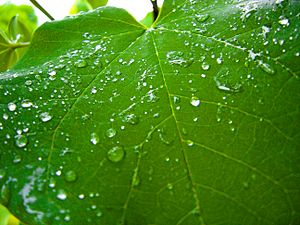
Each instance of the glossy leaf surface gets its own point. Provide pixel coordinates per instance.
(193, 121)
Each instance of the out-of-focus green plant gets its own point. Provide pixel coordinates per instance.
(17, 24)
(86, 5)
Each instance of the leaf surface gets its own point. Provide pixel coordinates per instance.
(193, 121)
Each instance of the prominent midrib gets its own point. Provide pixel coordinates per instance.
(189, 173)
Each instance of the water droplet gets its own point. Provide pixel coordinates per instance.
(111, 132)
(45, 117)
(267, 68)
(195, 101)
(70, 176)
(52, 182)
(94, 138)
(17, 158)
(179, 58)
(61, 194)
(201, 17)
(205, 66)
(81, 196)
(223, 82)
(26, 103)
(131, 119)
(284, 22)
(170, 186)
(21, 140)
(52, 73)
(190, 143)
(81, 63)
(2, 174)
(11, 106)
(116, 154)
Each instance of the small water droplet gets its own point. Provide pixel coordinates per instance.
(45, 117)
(131, 119)
(190, 143)
(267, 68)
(21, 140)
(4, 195)
(26, 103)
(11, 106)
(111, 132)
(17, 158)
(201, 17)
(205, 66)
(81, 63)
(195, 101)
(70, 176)
(116, 154)
(52, 73)
(170, 186)
(94, 138)
(61, 194)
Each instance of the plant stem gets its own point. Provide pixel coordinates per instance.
(155, 9)
(19, 45)
(36, 4)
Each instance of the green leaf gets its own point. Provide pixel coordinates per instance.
(25, 13)
(98, 3)
(148, 20)
(16, 28)
(80, 6)
(193, 121)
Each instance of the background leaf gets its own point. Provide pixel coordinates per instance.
(194, 121)
(17, 24)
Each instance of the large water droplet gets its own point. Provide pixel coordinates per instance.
(21, 140)
(195, 101)
(70, 176)
(111, 132)
(45, 117)
(224, 83)
(267, 68)
(94, 138)
(116, 154)
(205, 66)
(11, 106)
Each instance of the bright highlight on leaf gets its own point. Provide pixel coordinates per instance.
(192, 121)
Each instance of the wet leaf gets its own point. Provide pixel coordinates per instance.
(193, 121)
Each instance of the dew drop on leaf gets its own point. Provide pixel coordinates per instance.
(45, 117)
(267, 68)
(21, 140)
(190, 143)
(205, 66)
(26, 103)
(70, 176)
(81, 63)
(195, 101)
(116, 154)
(94, 138)
(61, 194)
(131, 119)
(11, 106)
(202, 17)
(111, 132)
